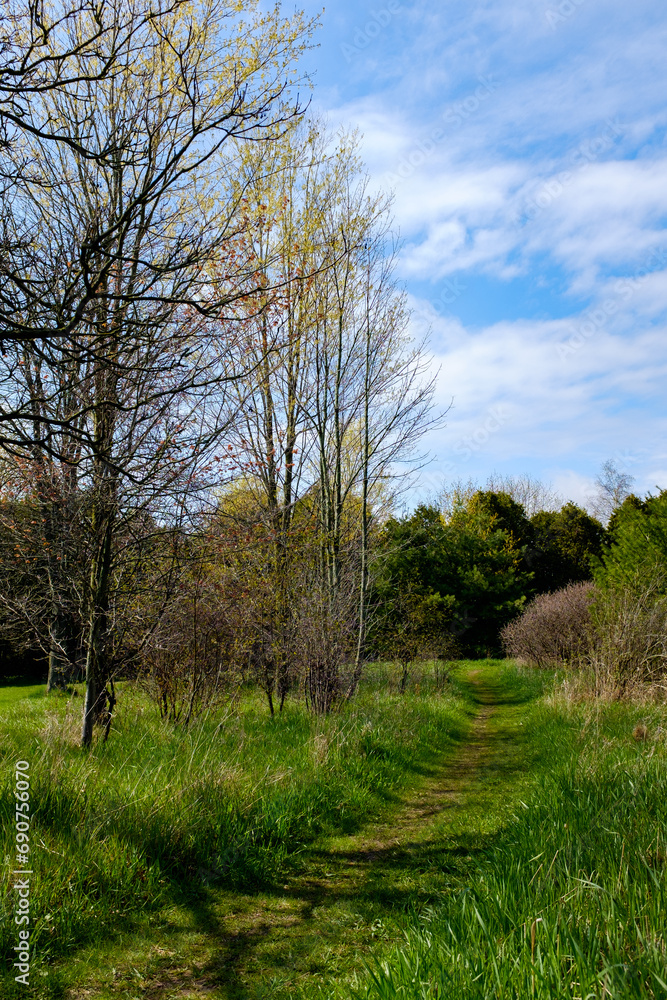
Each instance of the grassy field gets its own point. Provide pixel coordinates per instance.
(478, 837)
(568, 900)
(132, 841)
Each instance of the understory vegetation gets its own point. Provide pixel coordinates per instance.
(612, 631)
(568, 901)
(160, 813)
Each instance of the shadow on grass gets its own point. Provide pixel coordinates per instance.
(334, 900)
(297, 925)
(379, 887)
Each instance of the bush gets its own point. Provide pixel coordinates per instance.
(554, 628)
(629, 651)
(629, 636)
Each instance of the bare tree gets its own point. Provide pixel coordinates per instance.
(182, 79)
(532, 494)
(121, 265)
(197, 651)
(338, 393)
(613, 486)
(46, 47)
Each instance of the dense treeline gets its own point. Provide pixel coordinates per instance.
(614, 629)
(480, 561)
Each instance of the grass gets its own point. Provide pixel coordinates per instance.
(141, 833)
(476, 838)
(569, 900)
(16, 694)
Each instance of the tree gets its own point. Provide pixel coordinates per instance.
(631, 503)
(416, 625)
(336, 393)
(44, 545)
(638, 550)
(183, 80)
(629, 646)
(532, 494)
(566, 545)
(47, 48)
(467, 557)
(613, 486)
(505, 513)
(114, 304)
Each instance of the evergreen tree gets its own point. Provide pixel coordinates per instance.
(638, 552)
(565, 545)
(471, 560)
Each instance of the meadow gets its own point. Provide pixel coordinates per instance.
(480, 835)
(568, 899)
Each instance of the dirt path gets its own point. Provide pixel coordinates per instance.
(445, 790)
(350, 895)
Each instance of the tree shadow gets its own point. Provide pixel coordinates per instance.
(296, 925)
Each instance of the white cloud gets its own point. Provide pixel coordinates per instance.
(604, 215)
(461, 210)
(573, 486)
(558, 175)
(516, 401)
(458, 198)
(653, 481)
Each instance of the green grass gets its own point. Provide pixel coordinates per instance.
(479, 837)
(569, 900)
(15, 694)
(141, 831)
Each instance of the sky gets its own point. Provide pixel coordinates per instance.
(525, 145)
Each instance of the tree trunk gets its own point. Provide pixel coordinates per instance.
(60, 668)
(363, 575)
(96, 659)
(103, 518)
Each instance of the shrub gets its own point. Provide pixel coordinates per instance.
(629, 633)
(630, 614)
(553, 628)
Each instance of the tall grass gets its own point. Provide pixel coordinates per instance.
(570, 901)
(159, 813)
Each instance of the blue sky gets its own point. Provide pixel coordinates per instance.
(525, 142)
